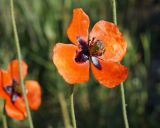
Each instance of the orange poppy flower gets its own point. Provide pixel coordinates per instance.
(11, 91)
(102, 48)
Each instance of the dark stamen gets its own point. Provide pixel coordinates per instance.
(14, 90)
(97, 48)
(82, 44)
(92, 41)
(92, 49)
(8, 89)
(96, 62)
(83, 54)
(14, 81)
(81, 57)
(14, 97)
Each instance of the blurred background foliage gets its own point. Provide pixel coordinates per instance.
(42, 23)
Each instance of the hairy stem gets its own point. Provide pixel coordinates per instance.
(4, 121)
(121, 85)
(64, 110)
(20, 62)
(124, 107)
(114, 11)
(72, 107)
(4, 116)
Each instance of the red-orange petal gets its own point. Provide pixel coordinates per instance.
(1, 87)
(2, 92)
(114, 42)
(111, 74)
(64, 60)
(13, 69)
(5, 80)
(78, 26)
(20, 105)
(13, 112)
(33, 94)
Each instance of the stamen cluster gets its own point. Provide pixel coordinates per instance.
(90, 51)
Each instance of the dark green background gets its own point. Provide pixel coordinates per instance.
(42, 23)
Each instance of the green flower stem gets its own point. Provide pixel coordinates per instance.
(4, 121)
(72, 107)
(4, 117)
(64, 110)
(20, 63)
(114, 11)
(124, 106)
(121, 85)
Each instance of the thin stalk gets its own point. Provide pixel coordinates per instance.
(124, 106)
(4, 120)
(72, 107)
(19, 63)
(121, 85)
(114, 11)
(64, 110)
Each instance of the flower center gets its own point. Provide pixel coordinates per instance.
(14, 90)
(96, 48)
(92, 50)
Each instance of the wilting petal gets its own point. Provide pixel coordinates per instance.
(64, 60)
(111, 74)
(33, 94)
(78, 26)
(114, 42)
(13, 112)
(13, 69)
(5, 81)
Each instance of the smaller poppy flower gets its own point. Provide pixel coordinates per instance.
(102, 49)
(11, 91)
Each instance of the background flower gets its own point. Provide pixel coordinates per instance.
(11, 91)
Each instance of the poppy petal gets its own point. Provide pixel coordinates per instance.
(20, 105)
(78, 26)
(33, 94)
(111, 73)
(113, 40)
(13, 112)
(64, 59)
(13, 69)
(5, 80)
(1, 87)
